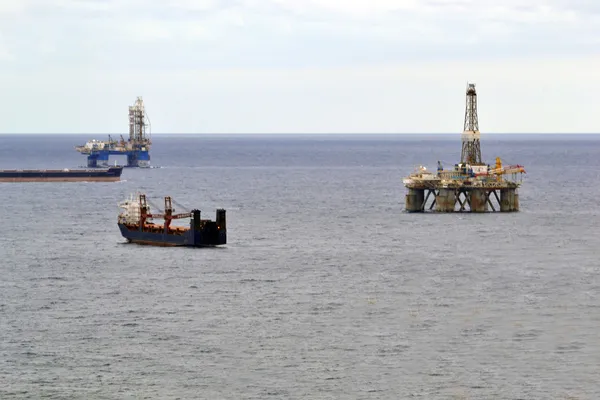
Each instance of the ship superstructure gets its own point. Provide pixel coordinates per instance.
(136, 147)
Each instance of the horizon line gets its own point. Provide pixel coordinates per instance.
(306, 133)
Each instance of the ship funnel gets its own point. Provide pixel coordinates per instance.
(221, 222)
(196, 220)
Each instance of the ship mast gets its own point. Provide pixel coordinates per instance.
(143, 211)
(168, 213)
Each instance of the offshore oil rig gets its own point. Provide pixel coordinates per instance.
(136, 148)
(472, 185)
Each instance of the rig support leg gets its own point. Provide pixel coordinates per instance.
(132, 160)
(509, 200)
(138, 158)
(103, 159)
(445, 200)
(414, 200)
(92, 161)
(479, 200)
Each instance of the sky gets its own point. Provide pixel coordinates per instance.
(299, 66)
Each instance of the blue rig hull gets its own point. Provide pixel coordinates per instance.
(135, 158)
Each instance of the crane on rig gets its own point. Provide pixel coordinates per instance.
(501, 170)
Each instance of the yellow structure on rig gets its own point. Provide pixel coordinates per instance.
(513, 170)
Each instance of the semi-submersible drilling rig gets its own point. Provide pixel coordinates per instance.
(472, 186)
(136, 148)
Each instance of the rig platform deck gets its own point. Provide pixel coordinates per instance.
(466, 196)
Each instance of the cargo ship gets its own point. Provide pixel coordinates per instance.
(110, 174)
(137, 225)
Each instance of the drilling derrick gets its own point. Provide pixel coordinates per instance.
(136, 148)
(139, 144)
(471, 146)
(137, 122)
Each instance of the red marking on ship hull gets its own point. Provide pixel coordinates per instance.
(151, 243)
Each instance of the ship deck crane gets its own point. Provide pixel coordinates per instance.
(168, 215)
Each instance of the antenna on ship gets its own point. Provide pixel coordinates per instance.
(471, 147)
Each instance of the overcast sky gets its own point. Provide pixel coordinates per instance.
(299, 66)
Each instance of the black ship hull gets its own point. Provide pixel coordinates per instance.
(110, 174)
(189, 238)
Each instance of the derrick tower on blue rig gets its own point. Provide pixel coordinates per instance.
(136, 148)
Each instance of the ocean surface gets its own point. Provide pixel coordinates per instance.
(326, 289)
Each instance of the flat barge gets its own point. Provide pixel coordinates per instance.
(137, 225)
(110, 174)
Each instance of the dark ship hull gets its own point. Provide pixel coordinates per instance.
(110, 174)
(206, 237)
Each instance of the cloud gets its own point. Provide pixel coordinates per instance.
(291, 32)
(195, 5)
(5, 53)
(252, 65)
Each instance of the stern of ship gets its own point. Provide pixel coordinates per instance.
(209, 233)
